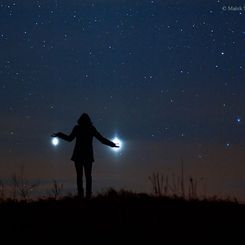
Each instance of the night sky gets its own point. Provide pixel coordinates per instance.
(166, 77)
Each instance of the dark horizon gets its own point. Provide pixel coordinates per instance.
(167, 78)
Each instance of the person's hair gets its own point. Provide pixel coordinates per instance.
(85, 120)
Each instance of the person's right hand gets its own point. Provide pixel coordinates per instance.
(116, 145)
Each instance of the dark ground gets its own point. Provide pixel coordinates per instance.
(123, 219)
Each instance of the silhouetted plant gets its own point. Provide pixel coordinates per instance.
(22, 187)
(182, 179)
(56, 189)
(192, 188)
(2, 191)
(14, 187)
(177, 186)
(174, 187)
(157, 181)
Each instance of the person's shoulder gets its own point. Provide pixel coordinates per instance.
(76, 127)
(93, 129)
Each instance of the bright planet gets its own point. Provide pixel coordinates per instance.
(55, 141)
(118, 142)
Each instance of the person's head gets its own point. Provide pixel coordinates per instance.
(84, 120)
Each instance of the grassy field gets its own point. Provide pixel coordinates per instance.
(122, 218)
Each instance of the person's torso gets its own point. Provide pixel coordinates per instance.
(84, 136)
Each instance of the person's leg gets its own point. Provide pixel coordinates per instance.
(88, 175)
(79, 170)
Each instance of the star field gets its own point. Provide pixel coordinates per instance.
(156, 73)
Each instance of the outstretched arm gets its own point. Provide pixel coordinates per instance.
(66, 137)
(103, 140)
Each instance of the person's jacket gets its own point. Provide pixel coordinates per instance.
(83, 150)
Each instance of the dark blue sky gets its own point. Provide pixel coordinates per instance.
(168, 77)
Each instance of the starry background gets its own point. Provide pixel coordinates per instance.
(167, 77)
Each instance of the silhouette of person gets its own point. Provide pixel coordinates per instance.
(83, 155)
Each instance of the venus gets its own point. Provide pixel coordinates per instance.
(55, 141)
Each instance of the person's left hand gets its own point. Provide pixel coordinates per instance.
(55, 135)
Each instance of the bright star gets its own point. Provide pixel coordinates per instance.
(118, 142)
(55, 141)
